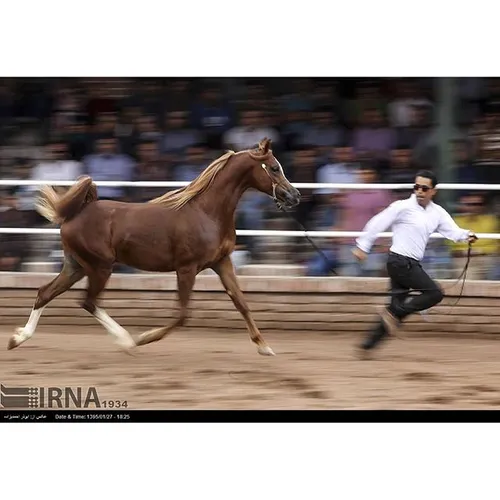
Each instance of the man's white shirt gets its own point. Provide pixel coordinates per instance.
(412, 226)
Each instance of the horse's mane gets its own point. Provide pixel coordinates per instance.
(178, 198)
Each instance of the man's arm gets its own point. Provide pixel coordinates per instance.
(378, 224)
(449, 229)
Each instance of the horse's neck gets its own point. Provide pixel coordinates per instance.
(221, 199)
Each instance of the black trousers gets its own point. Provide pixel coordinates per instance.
(405, 274)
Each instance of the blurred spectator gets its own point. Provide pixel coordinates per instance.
(127, 120)
(98, 101)
(401, 168)
(67, 105)
(472, 93)
(105, 124)
(303, 170)
(424, 138)
(150, 167)
(79, 139)
(473, 213)
(14, 248)
(300, 97)
(325, 97)
(150, 96)
(356, 208)
(341, 169)
(322, 130)
(251, 131)
(402, 108)
(58, 127)
(293, 126)
(178, 134)
(374, 136)
(367, 96)
(466, 172)
(179, 95)
(213, 115)
(417, 130)
(195, 162)
(108, 164)
(126, 128)
(147, 129)
(56, 165)
(485, 136)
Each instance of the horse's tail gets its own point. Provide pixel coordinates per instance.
(58, 208)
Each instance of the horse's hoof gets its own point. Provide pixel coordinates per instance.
(13, 342)
(265, 351)
(127, 347)
(18, 338)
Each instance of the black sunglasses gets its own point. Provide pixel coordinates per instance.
(416, 187)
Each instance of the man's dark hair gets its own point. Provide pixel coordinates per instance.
(428, 174)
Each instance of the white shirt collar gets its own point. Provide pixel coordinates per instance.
(413, 197)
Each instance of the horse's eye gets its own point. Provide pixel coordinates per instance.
(275, 168)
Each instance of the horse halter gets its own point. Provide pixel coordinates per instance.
(275, 199)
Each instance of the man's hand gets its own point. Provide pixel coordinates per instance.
(359, 254)
(472, 238)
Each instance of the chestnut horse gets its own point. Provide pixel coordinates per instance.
(186, 231)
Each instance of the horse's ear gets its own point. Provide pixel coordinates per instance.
(265, 145)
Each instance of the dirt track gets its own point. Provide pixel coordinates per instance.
(222, 370)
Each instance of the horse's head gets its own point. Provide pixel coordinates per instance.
(267, 176)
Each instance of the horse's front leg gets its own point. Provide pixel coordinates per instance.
(224, 268)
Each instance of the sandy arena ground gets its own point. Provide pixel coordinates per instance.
(222, 370)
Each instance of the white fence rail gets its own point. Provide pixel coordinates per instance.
(244, 232)
(298, 185)
(256, 232)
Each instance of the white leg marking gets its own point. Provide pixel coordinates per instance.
(23, 334)
(123, 338)
(265, 351)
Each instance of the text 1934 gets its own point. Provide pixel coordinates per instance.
(114, 403)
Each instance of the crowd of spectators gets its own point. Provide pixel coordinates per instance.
(323, 130)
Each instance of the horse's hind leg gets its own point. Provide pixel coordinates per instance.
(185, 282)
(97, 281)
(225, 270)
(69, 275)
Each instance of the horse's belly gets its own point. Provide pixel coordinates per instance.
(161, 256)
(158, 265)
(149, 260)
